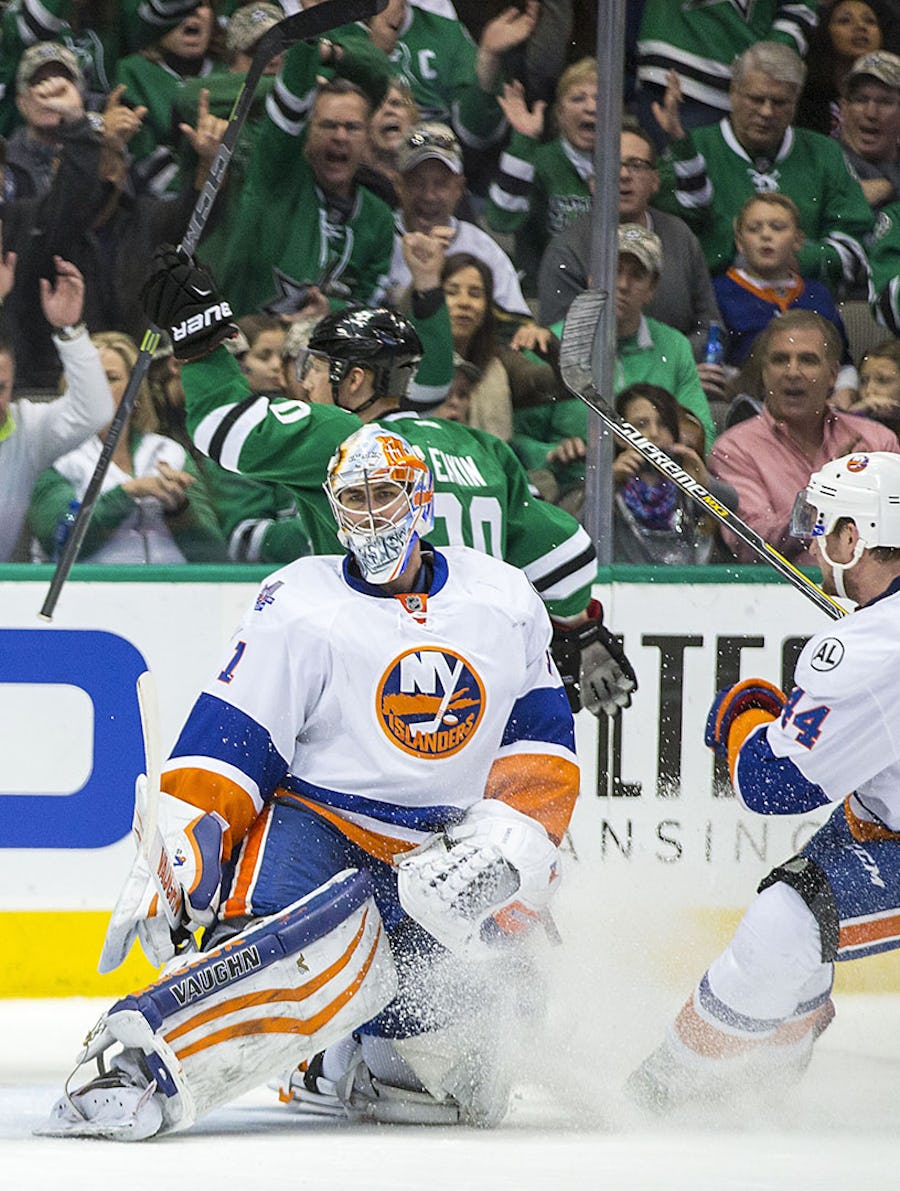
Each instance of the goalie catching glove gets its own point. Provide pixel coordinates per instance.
(497, 864)
(592, 664)
(180, 297)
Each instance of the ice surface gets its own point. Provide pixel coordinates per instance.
(567, 1128)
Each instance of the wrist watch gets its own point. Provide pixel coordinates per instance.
(65, 334)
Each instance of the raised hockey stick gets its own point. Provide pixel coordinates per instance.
(575, 368)
(301, 26)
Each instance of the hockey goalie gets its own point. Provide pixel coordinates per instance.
(359, 828)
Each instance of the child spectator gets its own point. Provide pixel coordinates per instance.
(457, 404)
(768, 236)
(261, 344)
(879, 385)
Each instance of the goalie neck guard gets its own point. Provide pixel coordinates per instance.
(381, 493)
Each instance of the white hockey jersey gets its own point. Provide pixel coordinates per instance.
(839, 728)
(390, 716)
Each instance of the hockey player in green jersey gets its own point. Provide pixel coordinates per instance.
(756, 149)
(362, 359)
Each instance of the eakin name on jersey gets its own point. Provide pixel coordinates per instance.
(389, 716)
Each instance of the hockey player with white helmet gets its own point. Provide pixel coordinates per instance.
(752, 1019)
(368, 797)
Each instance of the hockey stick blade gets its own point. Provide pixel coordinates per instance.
(575, 369)
(308, 23)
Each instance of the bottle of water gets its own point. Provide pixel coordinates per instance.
(64, 528)
(714, 352)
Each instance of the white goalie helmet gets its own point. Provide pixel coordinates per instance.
(381, 493)
(864, 487)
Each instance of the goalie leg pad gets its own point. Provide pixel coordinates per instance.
(220, 1024)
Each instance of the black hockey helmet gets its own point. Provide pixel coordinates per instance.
(369, 337)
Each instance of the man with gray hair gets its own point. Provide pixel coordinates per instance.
(757, 149)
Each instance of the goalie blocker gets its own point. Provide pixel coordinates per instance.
(214, 1027)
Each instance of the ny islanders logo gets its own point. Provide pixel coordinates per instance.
(429, 702)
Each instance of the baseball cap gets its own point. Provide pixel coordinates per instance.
(247, 25)
(40, 55)
(430, 141)
(643, 244)
(880, 65)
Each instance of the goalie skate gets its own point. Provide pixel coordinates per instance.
(119, 1104)
(306, 1089)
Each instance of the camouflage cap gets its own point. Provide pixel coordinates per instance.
(430, 141)
(247, 25)
(878, 65)
(42, 54)
(645, 245)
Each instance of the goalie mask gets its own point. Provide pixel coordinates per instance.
(381, 493)
(863, 487)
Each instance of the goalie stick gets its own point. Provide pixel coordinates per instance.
(151, 847)
(579, 329)
(147, 815)
(301, 26)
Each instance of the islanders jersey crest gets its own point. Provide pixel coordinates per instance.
(430, 702)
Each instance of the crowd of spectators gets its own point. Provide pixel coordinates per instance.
(441, 160)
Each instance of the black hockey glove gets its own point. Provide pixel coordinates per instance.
(180, 297)
(596, 673)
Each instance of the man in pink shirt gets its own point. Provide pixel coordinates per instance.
(769, 458)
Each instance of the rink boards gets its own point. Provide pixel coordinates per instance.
(658, 849)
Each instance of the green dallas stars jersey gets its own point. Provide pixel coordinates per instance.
(282, 230)
(884, 257)
(713, 175)
(701, 38)
(481, 492)
(436, 56)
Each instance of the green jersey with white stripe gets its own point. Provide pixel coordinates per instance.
(482, 498)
